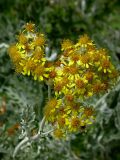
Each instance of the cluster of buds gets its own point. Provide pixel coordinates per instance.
(80, 72)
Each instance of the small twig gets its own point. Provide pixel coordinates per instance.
(46, 133)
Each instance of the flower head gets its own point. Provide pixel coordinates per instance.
(28, 53)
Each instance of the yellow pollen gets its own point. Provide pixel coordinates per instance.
(64, 81)
(53, 102)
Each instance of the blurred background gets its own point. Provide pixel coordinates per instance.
(22, 99)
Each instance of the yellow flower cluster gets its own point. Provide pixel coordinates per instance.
(68, 117)
(28, 53)
(80, 72)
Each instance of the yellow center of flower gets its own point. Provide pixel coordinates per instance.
(39, 71)
(85, 58)
(106, 64)
(75, 122)
(30, 65)
(80, 83)
(73, 69)
(88, 111)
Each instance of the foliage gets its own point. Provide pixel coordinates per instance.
(58, 19)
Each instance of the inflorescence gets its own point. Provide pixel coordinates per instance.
(81, 71)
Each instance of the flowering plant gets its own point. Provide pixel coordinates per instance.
(80, 72)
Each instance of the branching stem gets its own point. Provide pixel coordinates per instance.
(40, 131)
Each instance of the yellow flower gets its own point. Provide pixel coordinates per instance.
(88, 111)
(27, 54)
(38, 54)
(97, 87)
(22, 38)
(84, 41)
(66, 44)
(12, 50)
(75, 58)
(58, 133)
(39, 40)
(61, 121)
(40, 73)
(89, 75)
(74, 124)
(28, 66)
(16, 58)
(30, 27)
(106, 66)
(51, 107)
(85, 60)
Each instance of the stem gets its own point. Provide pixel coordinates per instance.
(35, 137)
(42, 123)
(25, 140)
(49, 92)
(46, 133)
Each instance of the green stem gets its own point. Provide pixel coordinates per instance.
(49, 91)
